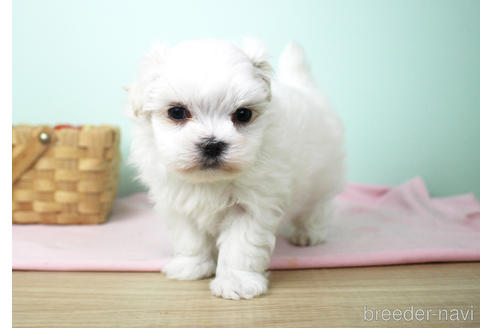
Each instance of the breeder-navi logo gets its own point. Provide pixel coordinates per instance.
(419, 314)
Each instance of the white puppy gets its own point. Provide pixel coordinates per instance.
(228, 152)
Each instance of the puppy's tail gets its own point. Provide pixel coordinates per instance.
(293, 67)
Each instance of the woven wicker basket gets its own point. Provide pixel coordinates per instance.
(64, 176)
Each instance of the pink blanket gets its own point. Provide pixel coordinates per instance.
(372, 226)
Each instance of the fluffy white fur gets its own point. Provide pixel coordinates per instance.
(284, 166)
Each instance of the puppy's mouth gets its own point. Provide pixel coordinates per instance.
(210, 163)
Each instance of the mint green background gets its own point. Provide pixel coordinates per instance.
(404, 75)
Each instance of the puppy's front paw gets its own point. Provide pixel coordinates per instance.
(304, 238)
(239, 284)
(189, 268)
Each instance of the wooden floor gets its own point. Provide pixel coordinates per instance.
(302, 298)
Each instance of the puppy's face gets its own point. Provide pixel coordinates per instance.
(205, 102)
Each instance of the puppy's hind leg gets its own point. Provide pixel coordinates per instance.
(311, 227)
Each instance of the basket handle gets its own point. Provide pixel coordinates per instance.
(25, 155)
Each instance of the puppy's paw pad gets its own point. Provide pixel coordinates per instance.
(189, 268)
(239, 284)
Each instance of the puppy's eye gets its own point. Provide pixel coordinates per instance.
(178, 113)
(242, 115)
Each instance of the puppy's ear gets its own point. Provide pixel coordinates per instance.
(148, 71)
(257, 53)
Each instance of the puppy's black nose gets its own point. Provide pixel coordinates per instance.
(212, 148)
